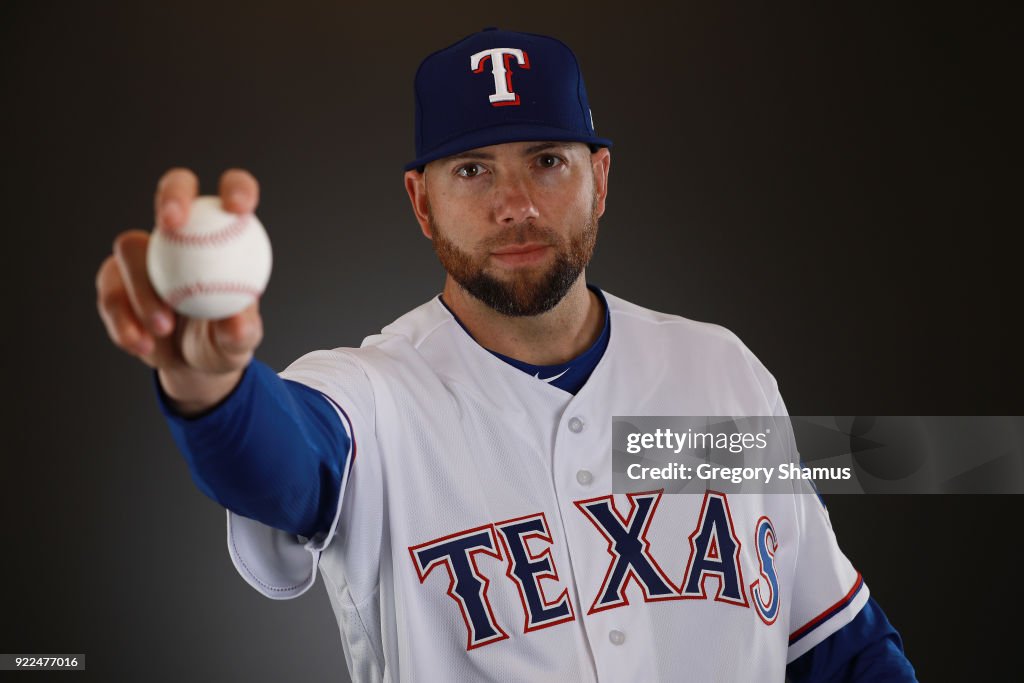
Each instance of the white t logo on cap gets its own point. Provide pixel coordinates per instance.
(503, 95)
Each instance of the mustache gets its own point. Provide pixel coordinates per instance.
(521, 233)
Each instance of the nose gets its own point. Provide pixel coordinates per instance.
(513, 200)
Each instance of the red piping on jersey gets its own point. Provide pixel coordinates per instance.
(828, 613)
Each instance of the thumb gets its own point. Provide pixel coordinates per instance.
(240, 334)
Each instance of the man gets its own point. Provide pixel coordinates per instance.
(451, 479)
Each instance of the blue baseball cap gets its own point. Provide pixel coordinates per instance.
(499, 86)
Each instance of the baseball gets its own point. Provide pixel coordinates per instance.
(214, 266)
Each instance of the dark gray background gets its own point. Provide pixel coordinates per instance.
(831, 183)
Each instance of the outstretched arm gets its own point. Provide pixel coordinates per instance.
(265, 448)
(274, 451)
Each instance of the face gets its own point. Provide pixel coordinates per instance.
(514, 224)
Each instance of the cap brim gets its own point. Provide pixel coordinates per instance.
(496, 135)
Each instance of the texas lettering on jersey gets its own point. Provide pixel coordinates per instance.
(714, 554)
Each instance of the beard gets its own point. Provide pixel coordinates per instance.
(527, 291)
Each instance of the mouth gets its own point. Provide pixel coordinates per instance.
(521, 254)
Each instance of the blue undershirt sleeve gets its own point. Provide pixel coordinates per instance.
(274, 450)
(866, 649)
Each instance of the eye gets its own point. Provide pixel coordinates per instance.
(550, 161)
(469, 170)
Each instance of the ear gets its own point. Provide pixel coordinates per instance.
(602, 163)
(416, 186)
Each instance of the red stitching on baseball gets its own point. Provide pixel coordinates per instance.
(179, 294)
(225, 234)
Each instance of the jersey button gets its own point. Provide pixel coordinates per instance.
(584, 477)
(575, 425)
(616, 637)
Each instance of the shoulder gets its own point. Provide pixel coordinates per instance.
(631, 319)
(424, 325)
(429, 322)
(706, 350)
(400, 350)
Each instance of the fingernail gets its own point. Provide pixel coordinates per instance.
(239, 200)
(239, 334)
(171, 212)
(161, 323)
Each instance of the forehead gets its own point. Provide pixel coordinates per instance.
(516, 149)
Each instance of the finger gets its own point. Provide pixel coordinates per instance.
(240, 334)
(174, 194)
(239, 191)
(165, 352)
(116, 312)
(130, 253)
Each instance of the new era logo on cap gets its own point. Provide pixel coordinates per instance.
(535, 92)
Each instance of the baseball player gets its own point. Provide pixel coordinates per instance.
(451, 478)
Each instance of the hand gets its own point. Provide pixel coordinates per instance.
(199, 362)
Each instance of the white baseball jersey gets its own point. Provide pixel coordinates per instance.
(477, 538)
